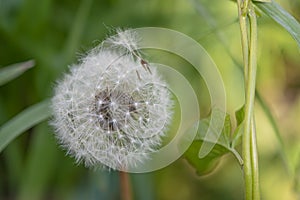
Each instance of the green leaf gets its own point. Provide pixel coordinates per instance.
(240, 115)
(238, 132)
(282, 17)
(223, 146)
(12, 71)
(23, 121)
(208, 163)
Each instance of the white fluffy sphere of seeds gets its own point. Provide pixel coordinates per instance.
(110, 111)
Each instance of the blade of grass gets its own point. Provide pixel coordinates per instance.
(282, 17)
(23, 121)
(13, 71)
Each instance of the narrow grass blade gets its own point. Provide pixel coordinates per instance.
(282, 17)
(12, 71)
(23, 121)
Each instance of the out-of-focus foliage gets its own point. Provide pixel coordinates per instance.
(55, 33)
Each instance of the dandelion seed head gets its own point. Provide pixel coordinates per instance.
(100, 117)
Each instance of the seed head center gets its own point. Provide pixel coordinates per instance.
(113, 108)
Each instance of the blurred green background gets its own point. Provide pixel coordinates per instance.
(56, 33)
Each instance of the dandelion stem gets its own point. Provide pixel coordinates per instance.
(125, 185)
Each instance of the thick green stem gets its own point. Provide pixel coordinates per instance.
(252, 79)
(246, 136)
(249, 48)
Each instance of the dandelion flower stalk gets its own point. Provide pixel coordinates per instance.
(125, 185)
